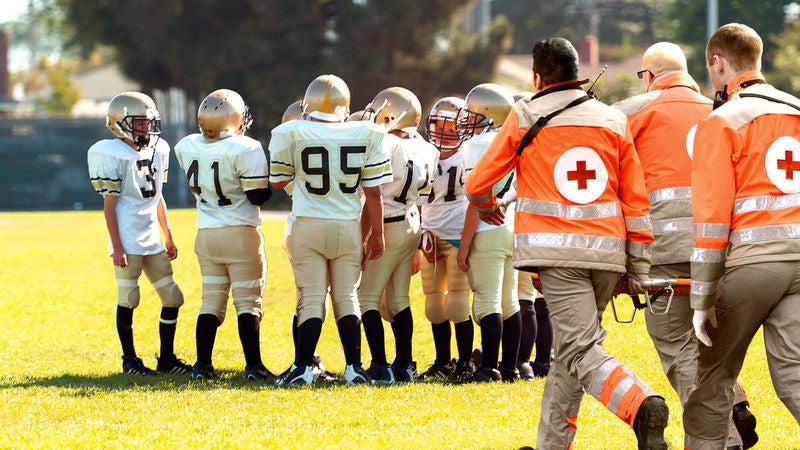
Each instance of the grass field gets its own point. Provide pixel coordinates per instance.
(60, 381)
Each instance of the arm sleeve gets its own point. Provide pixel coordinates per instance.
(281, 162)
(713, 192)
(498, 160)
(635, 207)
(105, 173)
(377, 168)
(252, 168)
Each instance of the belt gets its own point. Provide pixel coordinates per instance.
(394, 219)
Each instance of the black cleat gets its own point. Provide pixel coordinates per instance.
(296, 376)
(463, 372)
(540, 370)
(745, 423)
(135, 366)
(257, 373)
(204, 373)
(509, 375)
(355, 374)
(406, 373)
(477, 357)
(651, 419)
(483, 375)
(439, 370)
(381, 374)
(171, 364)
(525, 371)
(319, 370)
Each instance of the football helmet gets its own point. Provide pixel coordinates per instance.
(357, 116)
(523, 95)
(129, 107)
(395, 108)
(487, 106)
(327, 98)
(293, 112)
(222, 114)
(441, 124)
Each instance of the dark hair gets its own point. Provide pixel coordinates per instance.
(555, 60)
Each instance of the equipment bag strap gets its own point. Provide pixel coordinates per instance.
(771, 99)
(537, 127)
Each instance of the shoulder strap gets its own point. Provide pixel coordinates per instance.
(771, 99)
(537, 127)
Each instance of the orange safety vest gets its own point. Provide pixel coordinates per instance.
(745, 185)
(663, 124)
(581, 195)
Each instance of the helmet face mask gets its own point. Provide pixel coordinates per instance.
(469, 123)
(486, 107)
(441, 124)
(222, 114)
(395, 108)
(133, 116)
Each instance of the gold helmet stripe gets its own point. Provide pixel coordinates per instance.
(326, 101)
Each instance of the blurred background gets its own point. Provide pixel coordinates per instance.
(62, 60)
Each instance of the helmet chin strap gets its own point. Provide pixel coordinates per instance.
(142, 141)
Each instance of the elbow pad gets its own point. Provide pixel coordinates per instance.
(259, 196)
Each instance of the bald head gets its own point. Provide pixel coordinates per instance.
(664, 57)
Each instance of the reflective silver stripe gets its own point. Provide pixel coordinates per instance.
(624, 385)
(703, 287)
(555, 209)
(711, 230)
(480, 199)
(599, 377)
(638, 223)
(677, 193)
(638, 249)
(770, 233)
(570, 240)
(672, 225)
(705, 255)
(765, 203)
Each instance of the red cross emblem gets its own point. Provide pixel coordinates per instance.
(582, 176)
(789, 165)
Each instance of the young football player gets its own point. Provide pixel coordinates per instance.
(129, 172)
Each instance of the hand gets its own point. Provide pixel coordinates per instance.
(462, 257)
(120, 258)
(375, 246)
(701, 316)
(415, 263)
(633, 283)
(496, 216)
(172, 250)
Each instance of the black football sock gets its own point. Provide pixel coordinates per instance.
(248, 333)
(527, 314)
(350, 334)
(465, 334)
(441, 340)
(403, 328)
(373, 329)
(166, 330)
(308, 334)
(125, 332)
(511, 333)
(205, 334)
(294, 330)
(491, 331)
(544, 332)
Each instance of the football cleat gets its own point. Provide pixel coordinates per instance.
(540, 370)
(482, 375)
(355, 374)
(171, 364)
(319, 370)
(463, 372)
(439, 370)
(745, 423)
(258, 372)
(651, 419)
(477, 356)
(204, 373)
(296, 376)
(135, 366)
(381, 374)
(526, 371)
(509, 375)
(405, 374)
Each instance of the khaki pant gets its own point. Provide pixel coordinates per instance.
(158, 270)
(673, 337)
(576, 299)
(326, 252)
(231, 258)
(491, 275)
(392, 271)
(752, 295)
(525, 289)
(445, 286)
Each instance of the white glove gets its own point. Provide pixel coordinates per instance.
(701, 316)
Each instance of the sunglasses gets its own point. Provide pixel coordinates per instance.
(641, 73)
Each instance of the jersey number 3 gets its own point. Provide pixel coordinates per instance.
(193, 176)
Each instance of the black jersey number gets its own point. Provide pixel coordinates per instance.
(193, 175)
(452, 179)
(149, 190)
(403, 196)
(323, 169)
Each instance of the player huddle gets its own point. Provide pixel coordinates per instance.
(556, 183)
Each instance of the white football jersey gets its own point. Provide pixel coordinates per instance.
(414, 167)
(473, 149)
(443, 210)
(137, 178)
(329, 163)
(219, 173)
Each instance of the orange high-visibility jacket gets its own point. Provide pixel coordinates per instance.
(745, 186)
(663, 123)
(581, 196)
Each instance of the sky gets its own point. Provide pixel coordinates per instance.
(12, 9)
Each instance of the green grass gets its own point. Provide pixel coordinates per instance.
(60, 381)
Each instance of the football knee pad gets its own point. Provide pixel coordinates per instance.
(215, 296)
(434, 308)
(169, 292)
(128, 292)
(457, 306)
